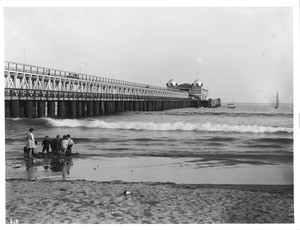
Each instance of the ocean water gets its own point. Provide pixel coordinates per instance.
(251, 144)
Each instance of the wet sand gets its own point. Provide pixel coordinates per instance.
(152, 169)
(91, 202)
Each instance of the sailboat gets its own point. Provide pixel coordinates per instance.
(277, 101)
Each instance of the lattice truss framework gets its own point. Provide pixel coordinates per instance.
(20, 76)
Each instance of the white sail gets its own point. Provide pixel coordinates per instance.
(277, 101)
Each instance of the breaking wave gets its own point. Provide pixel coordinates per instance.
(177, 126)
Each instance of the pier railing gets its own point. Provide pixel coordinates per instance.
(33, 91)
(34, 79)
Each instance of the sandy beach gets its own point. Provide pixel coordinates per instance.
(93, 202)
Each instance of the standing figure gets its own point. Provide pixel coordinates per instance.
(56, 145)
(64, 145)
(30, 142)
(70, 145)
(46, 144)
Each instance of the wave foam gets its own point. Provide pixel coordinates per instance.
(181, 126)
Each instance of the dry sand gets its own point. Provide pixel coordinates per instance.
(46, 201)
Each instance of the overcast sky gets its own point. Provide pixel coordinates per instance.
(240, 54)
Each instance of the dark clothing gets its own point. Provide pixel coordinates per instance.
(68, 152)
(47, 150)
(56, 145)
(46, 145)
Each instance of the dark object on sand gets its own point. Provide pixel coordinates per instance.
(16, 166)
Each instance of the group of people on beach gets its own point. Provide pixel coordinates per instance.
(59, 146)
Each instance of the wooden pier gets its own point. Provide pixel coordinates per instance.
(33, 91)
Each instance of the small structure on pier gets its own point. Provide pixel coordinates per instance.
(197, 92)
(171, 84)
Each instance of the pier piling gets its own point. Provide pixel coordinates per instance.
(90, 108)
(51, 109)
(7, 108)
(22, 108)
(73, 109)
(79, 108)
(96, 108)
(15, 109)
(62, 109)
(29, 109)
(41, 108)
